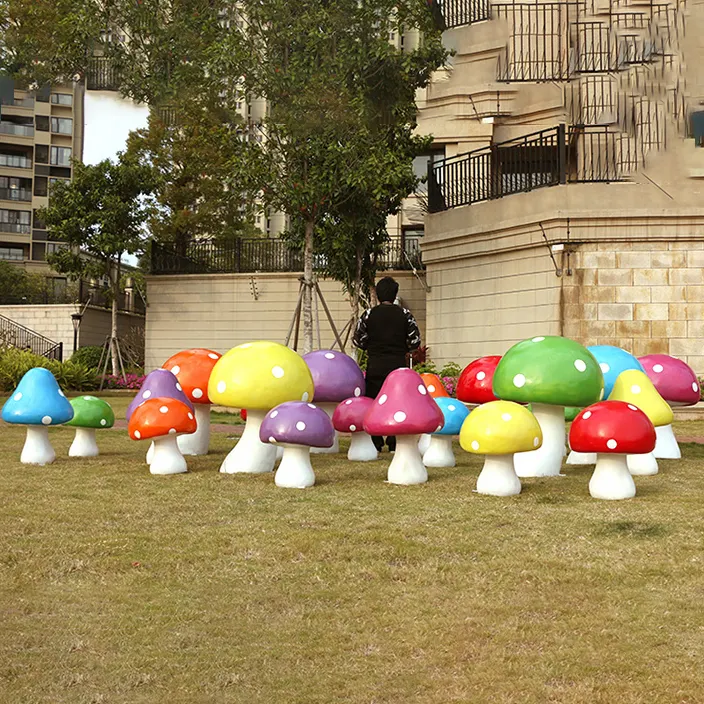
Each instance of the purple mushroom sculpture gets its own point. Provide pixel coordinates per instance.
(336, 377)
(296, 426)
(158, 384)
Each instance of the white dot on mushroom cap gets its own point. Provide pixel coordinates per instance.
(179, 387)
(506, 417)
(212, 355)
(221, 387)
(399, 416)
(300, 425)
(538, 339)
(357, 391)
(353, 428)
(536, 442)
(146, 394)
(17, 397)
(611, 444)
(273, 414)
(329, 355)
(382, 399)
(164, 409)
(172, 431)
(587, 415)
(272, 438)
(61, 393)
(190, 416)
(632, 407)
(635, 389)
(481, 376)
(580, 365)
(695, 386)
(474, 445)
(175, 370)
(431, 388)
(103, 421)
(451, 408)
(423, 391)
(310, 405)
(278, 372)
(519, 380)
(46, 420)
(348, 402)
(605, 367)
(137, 434)
(197, 393)
(657, 368)
(438, 428)
(305, 396)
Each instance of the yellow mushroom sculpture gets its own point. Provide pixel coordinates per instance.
(257, 376)
(498, 430)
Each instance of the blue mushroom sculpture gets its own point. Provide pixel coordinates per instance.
(439, 452)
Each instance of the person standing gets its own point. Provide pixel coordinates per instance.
(387, 332)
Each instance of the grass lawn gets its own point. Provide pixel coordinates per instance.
(117, 586)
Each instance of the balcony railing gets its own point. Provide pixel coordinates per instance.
(20, 130)
(15, 161)
(457, 13)
(239, 256)
(101, 74)
(16, 194)
(16, 227)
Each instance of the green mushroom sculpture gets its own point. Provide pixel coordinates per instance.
(550, 373)
(89, 414)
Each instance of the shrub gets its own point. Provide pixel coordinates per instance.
(131, 381)
(15, 363)
(88, 356)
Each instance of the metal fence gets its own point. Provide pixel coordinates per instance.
(13, 334)
(101, 74)
(458, 13)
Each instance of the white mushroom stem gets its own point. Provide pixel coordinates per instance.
(329, 408)
(37, 448)
(642, 465)
(84, 444)
(167, 457)
(150, 453)
(250, 455)
(279, 453)
(439, 452)
(197, 443)
(581, 458)
(362, 448)
(611, 479)
(424, 443)
(295, 470)
(666, 447)
(407, 465)
(546, 461)
(498, 477)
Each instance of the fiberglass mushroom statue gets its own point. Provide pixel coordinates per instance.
(549, 373)
(89, 414)
(37, 402)
(349, 418)
(475, 384)
(613, 430)
(498, 430)
(296, 426)
(192, 368)
(336, 377)
(439, 452)
(404, 408)
(437, 390)
(677, 383)
(257, 376)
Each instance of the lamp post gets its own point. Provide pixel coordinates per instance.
(76, 320)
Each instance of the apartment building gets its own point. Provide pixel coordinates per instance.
(40, 133)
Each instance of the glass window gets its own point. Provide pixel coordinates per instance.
(40, 186)
(41, 153)
(16, 161)
(15, 221)
(11, 253)
(62, 99)
(60, 156)
(42, 122)
(62, 125)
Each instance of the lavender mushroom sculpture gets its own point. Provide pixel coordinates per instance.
(404, 408)
(297, 426)
(439, 452)
(349, 418)
(336, 377)
(37, 402)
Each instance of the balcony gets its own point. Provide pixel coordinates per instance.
(449, 14)
(101, 74)
(14, 128)
(15, 161)
(19, 228)
(16, 194)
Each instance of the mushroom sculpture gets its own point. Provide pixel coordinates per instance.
(257, 376)
(159, 383)
(498, 430)
(349, 418)
(437, 390)
(336, 377)
(163, 420)
(296, 426)
(677, 383)
(90, 413)
(475, 383)
(612, 361)
(192, 368)
(404, 408)
(439, 452)
(37, 402)
(636, 388)
(549, 373)
(613, 430)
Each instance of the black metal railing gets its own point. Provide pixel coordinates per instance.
(258, 255)
(597, 154)
(101, 74)
(449, 14)
(13, 334)
(19, 194)
(128, 301)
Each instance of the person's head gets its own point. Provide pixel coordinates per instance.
(387, 290)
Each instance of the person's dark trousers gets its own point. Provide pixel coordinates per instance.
(374, 383)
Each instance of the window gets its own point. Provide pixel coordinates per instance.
(62, 125)
(42, 122)
(16, 161)
(60, 156)
(14, 254)
(62, 99)
(40, 186)
(41, 153)
(420, 167)
(15, 221)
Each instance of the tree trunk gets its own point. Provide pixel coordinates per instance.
(307, 307)
(113, 322)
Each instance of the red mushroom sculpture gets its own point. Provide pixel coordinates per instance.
(612, 430)
(475, 382)
(677, 383)
(349, 418)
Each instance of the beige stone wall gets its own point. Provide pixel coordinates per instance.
(221, 311)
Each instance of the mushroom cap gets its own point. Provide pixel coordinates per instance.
(612, 361)
(259, 376)
(349, 415)
(454, 412)
(500, 428)
(633, 386)
(37, 400)
(192, 368)
(571, 413)
(612, 427)
(91, 412)
(403, 407)
(159, 383)
(674, 380)
(157, 417)
(297, 423)
(434, 385)
(475, 382)
(336, 376)
(551, 370)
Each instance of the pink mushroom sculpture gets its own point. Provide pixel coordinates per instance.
(677, 383)
(405, 409)
(349, 418)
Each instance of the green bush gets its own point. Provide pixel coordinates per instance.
(15, 363)
(88, 357)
